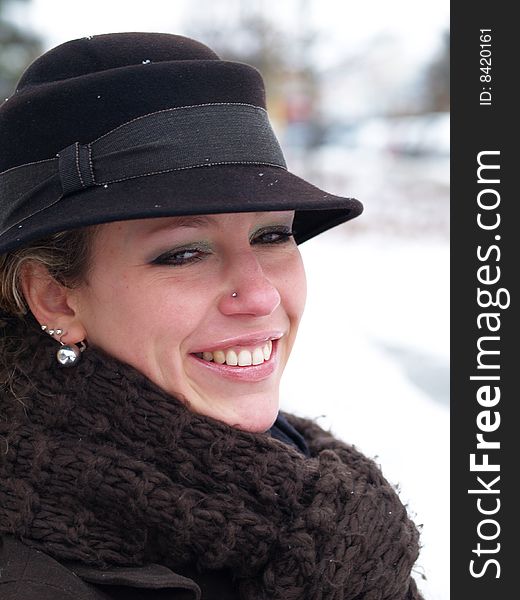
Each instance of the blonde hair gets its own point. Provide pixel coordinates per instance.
(65, 255)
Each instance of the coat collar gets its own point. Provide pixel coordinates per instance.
(23, 567)
(152, 576)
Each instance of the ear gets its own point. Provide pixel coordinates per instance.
(51, 302)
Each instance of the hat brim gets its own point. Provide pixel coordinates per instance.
(204, 190)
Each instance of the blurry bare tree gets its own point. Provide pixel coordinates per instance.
(437, 79)
(18, 48)
(249, 32)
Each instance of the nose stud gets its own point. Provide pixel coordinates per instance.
(234, 294)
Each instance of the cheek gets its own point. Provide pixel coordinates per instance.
(294, 290)
(139, 319)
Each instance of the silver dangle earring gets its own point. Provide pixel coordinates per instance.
(69, 354)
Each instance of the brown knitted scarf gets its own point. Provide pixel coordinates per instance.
(99, 465)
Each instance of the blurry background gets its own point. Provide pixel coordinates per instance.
(358, 94)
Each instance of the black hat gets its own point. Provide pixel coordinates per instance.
(138, 125)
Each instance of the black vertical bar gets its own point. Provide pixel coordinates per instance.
(485, 256)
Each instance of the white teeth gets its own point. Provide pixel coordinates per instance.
(242, 358)
(258, 356)
(231, 358)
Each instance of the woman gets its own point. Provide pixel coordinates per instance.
(149, 237)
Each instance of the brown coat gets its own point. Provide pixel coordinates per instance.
(27, 574)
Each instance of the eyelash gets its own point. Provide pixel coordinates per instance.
(171, 257)
(284, 233)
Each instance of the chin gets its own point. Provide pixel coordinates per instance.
(256, 418)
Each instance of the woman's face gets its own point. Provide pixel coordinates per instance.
(160, 297)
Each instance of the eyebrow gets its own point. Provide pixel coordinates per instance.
(177, 222)
(182, 221)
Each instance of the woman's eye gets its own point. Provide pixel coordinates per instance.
(179, 257)
(273, 236)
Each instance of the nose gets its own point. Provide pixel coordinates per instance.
(248, 290)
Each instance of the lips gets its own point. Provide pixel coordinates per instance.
(251, 372)
(248, 341)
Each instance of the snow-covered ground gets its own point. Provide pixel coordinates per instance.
(372, 362)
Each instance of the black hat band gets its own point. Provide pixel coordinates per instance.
(179, 138)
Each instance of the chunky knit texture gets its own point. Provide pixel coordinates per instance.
(101, 466)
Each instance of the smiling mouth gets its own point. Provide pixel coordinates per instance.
(239, 357)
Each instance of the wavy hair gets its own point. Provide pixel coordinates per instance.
(66, 256)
